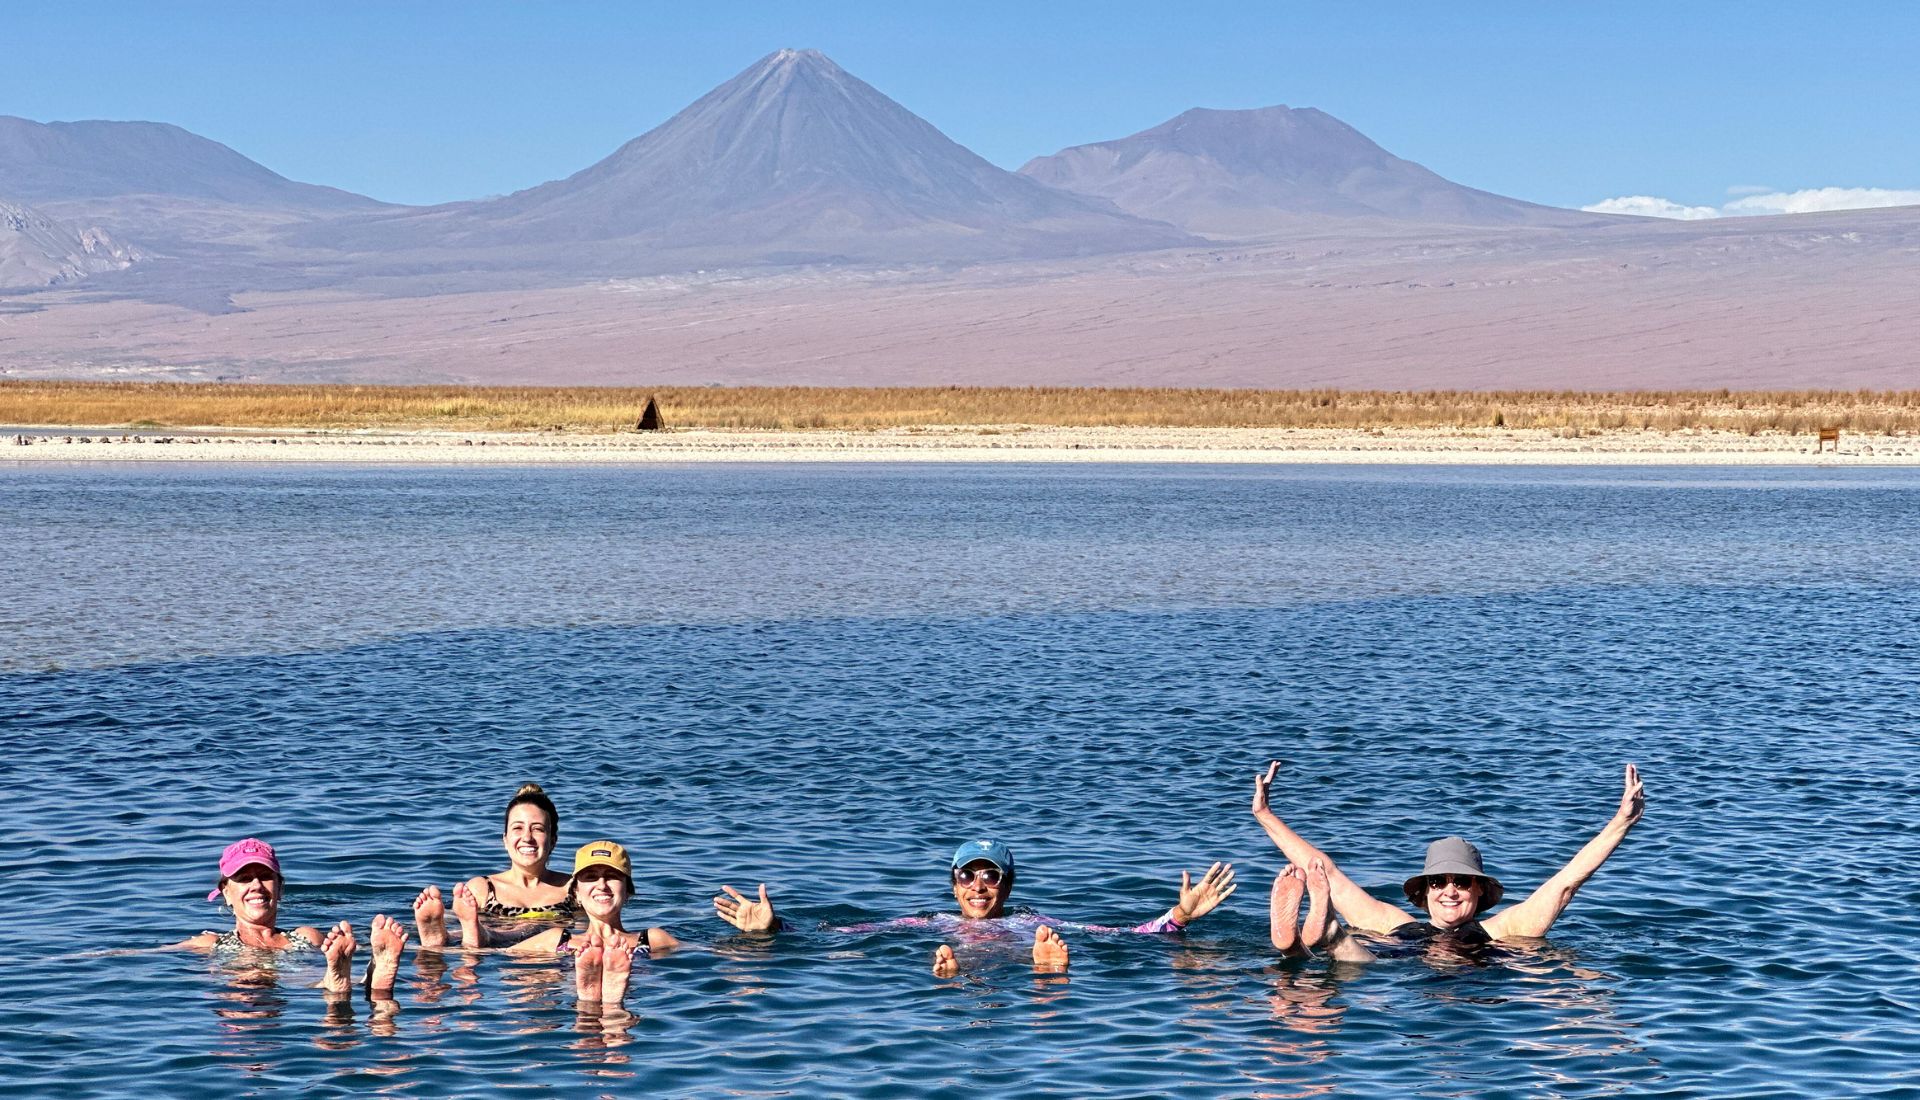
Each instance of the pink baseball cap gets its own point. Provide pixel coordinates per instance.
(245, 853)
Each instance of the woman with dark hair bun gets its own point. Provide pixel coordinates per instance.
(518, 901)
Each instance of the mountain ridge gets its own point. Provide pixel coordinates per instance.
(94, 158)
(792, 158)
(1252, 172)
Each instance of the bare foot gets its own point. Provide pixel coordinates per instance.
(617, 966)
(944, 964)
(1314, 932)
(430, 918)
(1049, 950)
(466, 908)
(339, 946)
(1283, 909)
(587, 964)
(388, 939)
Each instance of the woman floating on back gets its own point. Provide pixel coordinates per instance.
(981, 876)
(1453, 888)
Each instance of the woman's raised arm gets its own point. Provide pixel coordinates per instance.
(1356, 906)
(1534, 916)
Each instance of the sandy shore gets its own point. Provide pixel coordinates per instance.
(1491, 446)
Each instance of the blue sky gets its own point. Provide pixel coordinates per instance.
(1560, 103)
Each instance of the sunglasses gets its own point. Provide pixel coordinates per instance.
(1438, 882)
(989, 876)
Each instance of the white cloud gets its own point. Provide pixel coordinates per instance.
(1761, 201)
(1649, 207)
(1750, 189)
(1821, 199)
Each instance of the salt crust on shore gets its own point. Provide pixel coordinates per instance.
(1409, 446)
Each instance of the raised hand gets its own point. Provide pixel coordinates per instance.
(745, 913)
(1261, 785)
(1633, 800)
(1199, 899)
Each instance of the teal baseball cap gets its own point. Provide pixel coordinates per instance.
(992, 851)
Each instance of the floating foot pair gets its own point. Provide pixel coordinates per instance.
(1050, 955)
(387, 938)
(1290, 937)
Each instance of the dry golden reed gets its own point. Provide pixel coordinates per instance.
(604, 409)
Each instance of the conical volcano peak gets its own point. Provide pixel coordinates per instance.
(792, 160)
(785, 73)
(790, 59)
(784, 69)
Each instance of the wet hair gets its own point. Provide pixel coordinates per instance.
(531, 794)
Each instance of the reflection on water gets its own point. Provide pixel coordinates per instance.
(825, 679)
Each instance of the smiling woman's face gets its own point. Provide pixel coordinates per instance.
(1452, 900)
(529, 837)
(253, 893)
(978, 897)
(601, 891)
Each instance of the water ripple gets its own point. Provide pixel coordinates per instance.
(747, 691)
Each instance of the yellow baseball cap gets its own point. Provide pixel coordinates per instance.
(603, 853)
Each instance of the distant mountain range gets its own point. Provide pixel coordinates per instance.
(1265, 171)
(157, 185)
(96, 160)
(796, 226)
(793, 162)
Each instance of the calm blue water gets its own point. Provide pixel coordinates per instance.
(824, 678)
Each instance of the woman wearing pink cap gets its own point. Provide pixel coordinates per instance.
(251, 885)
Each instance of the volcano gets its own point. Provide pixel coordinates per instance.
(42, 162)
(156, 184)
(1257, 172)
(792, 161)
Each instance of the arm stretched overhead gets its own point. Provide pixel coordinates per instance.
(1356, 906)
(1532, 917)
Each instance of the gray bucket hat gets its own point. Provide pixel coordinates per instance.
(1452, 855)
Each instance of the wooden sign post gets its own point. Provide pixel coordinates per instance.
(1828, 435)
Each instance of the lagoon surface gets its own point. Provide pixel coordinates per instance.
(824, 678)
